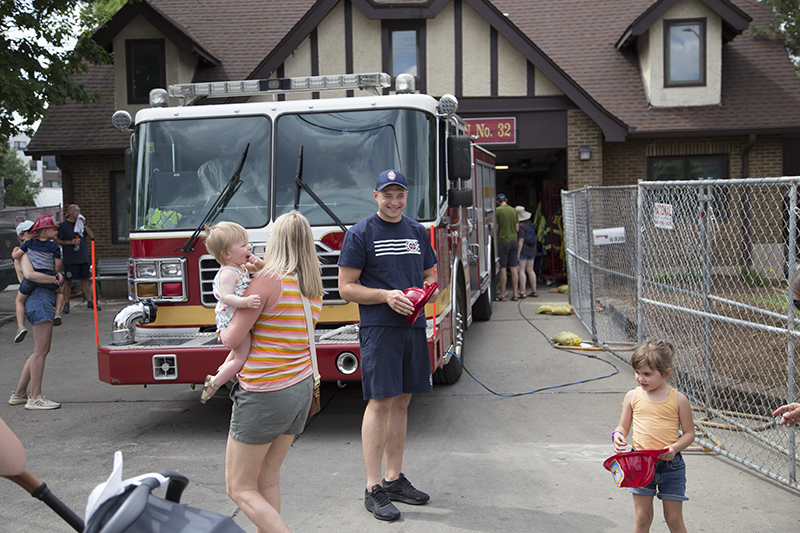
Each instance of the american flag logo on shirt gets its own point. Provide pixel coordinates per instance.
(397, 247)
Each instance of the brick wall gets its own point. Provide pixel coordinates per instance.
(86, 182)
(583, 132)
(626, 163)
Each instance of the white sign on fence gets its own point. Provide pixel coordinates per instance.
(608, 236)
(662, 216)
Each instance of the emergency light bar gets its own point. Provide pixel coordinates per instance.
(223, 89)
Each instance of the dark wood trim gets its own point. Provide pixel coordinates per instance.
(514, 104)
(314, 42)
(531, 74)
(385, 53)
(348, 40)
(281, 73)
(613, 129)
(679, 134)
(493, 67)
(422, 59)
(170, 29)
(397, 11)
(458, 34)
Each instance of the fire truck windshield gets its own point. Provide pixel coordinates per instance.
(182, 165)
(344, 152)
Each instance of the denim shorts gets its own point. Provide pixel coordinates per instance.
(40, 306)
(394, 361)
(262, 417)
(525, 258)
(670, 481)
(27, 286)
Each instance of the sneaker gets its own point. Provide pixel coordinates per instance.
(401, 490)
(57, 320)
(20, 336)
(65, 308)
(377, 502)
(18, 399)
(41, 403)
(90, 305)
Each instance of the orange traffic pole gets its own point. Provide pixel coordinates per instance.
(94, 298)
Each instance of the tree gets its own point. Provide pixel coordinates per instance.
(785, 27)
(38, 68)
(22, 189)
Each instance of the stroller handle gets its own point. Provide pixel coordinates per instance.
(40, 491)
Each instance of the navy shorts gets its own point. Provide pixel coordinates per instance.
(507, 253)
(40, 306)
(77, 271)
(669, 482)
(394, 361)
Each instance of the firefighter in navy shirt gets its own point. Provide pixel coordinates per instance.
(382, 255)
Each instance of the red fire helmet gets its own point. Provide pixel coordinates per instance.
(44, 221)
(633, 469)
(419, 297)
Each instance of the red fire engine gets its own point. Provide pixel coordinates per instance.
(191, 165)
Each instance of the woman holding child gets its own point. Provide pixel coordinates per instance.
(275, 386)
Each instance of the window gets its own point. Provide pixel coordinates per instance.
(694, 167)
(146, 68)
(20, 145)
(684, 53)
(404, 49)
(53, 184)
(120, 207)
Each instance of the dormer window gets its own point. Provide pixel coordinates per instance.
(146, 68)
(404, 49)
(684, 53)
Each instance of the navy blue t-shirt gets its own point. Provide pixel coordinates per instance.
(42, 255)
(66, 232)
(390, 255)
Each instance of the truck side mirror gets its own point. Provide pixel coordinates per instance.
(459, 197)
(129, 167)
(459, 161)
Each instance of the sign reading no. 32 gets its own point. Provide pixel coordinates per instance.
(493, 130)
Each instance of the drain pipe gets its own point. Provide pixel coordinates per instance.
(142, 311)
(746, 201)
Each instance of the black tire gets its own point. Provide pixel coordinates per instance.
(451, 372)
(482, 310)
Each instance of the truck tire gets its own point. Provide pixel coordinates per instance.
(451, 372)
(482, 310)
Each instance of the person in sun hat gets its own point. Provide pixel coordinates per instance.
(527, 252)
(381, 256)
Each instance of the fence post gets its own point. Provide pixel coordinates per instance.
(790, 347)
(590, 259)
(639, 261)
(706, 269)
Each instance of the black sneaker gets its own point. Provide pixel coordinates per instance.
(377, 502)
(65, 309)
(401, 490)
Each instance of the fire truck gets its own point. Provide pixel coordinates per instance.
(248, 162)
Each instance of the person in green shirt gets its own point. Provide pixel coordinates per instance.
(507, 246)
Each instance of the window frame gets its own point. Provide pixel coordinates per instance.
(668, 82)
(129, 48)
(387, 29)
(720, 205)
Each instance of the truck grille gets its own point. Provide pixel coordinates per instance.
(328, 260)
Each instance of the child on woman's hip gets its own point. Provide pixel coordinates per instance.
(229, 243)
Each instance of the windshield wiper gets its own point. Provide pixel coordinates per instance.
(220, 203)
(298, 180)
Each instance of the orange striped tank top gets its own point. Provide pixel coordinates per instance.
(279, 354)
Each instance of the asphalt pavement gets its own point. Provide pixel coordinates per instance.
(490, 462)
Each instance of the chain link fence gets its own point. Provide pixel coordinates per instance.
(9, 218)
(704, 264)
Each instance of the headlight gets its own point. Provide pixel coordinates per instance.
(146, 270)
(171, 270)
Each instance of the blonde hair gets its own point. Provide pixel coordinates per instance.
(291, 250)
(794, 283)
(657, 354)
(221, 236)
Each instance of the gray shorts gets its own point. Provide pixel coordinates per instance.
(261, 417)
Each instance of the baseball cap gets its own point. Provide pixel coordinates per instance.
(502, 198)
(24, 226)
(391, 177)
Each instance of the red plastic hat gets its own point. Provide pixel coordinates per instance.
(44, 221)
(635, 468)
(419, 297)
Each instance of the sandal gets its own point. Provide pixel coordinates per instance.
(500, 299)
(208, 385)
(515, 298)
(523, 295)
(534, 294)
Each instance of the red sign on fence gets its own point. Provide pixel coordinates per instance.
(493, 130)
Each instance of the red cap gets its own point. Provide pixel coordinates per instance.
(44, 221)
(419, 297)
(635, 468)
